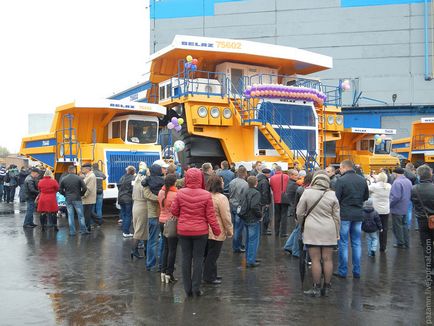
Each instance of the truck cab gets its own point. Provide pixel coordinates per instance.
(112, 133)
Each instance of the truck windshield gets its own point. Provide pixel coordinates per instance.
(142, 132)
(384, 147)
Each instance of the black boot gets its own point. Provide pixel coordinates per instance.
(315, 291)
(53, 217)
(135, 250)
(43, 220)
(325, 291)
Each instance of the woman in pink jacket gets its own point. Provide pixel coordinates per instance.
(166, 196)
(195, 210)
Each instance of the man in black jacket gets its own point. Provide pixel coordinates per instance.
(422, 196)
(265, 191)
(73, 188)
(251, 220)
(291, 190)
(351, 191)
(21, 178)
(30, 187)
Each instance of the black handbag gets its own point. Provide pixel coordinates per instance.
(284, 197)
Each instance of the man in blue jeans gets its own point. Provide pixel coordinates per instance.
(154, 230)
(237, 188)
(251, 216)
(400, 197)
(351, 191)
(73, 188)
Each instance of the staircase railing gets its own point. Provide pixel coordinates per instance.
(274, 118)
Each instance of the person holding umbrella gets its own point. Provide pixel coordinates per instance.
(318, 215)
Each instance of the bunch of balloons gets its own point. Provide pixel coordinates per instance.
(379, 139)
(178, 146)
(176, 124)
(346, 85)
(289, 92)
(191, 64)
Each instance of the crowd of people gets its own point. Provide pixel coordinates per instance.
(162, 206)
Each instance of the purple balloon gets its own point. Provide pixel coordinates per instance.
(174, 121)
(170, 125)
(178, 128)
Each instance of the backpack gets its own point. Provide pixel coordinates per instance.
(368, 224)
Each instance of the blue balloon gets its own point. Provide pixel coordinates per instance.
(187, 65)
(193, 67)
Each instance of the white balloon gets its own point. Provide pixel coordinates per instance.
(179, 146)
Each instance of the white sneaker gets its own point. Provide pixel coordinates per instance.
(127, 235)
(163, 278)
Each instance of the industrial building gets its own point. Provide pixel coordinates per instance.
(384, 47)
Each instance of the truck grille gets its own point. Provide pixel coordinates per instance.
(117, 162)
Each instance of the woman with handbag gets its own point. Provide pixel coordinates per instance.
(318, 215)
(166, 196)
(215, 243)
(47, 201)
(422, 196)
(195, 210)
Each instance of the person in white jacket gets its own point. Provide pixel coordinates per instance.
(379, 192)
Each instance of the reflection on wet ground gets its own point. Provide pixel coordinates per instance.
(50, 279)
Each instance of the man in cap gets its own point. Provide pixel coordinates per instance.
(400, 196)
(265, 190)
(30, 192)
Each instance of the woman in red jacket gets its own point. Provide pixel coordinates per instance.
(194, 208)
(47, 202)
(166, 196)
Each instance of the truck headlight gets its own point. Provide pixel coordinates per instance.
(202, 111)
(339, 120)
(330, 119)
(215, 112)
(431, 141)
(227, 113)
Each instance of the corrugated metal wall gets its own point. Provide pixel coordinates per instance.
(380, 47)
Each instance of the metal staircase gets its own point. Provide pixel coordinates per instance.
(268, 123)
(68, 148)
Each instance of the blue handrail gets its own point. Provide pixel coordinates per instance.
(272, 116)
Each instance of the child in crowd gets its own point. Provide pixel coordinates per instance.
(155, 181)
(371, 224)
(61, 203)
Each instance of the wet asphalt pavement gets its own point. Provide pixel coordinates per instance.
(54, 279)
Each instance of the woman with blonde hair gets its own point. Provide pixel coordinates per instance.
(47, 202)
(223, 214)
(380, 192)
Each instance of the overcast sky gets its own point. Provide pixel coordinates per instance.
(53, 51)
